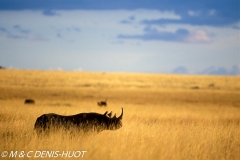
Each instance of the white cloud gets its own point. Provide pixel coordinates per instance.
(212, 12)
(198, 36)
(193, 13)
(153, 14)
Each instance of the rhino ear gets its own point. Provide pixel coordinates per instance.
(105, 113)
(110, 114)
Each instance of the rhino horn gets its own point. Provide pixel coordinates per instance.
(120, 117)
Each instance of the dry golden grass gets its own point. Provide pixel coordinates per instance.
(165, 116)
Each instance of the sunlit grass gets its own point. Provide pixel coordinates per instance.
(165, 116)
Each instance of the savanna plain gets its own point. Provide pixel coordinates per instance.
(169, 117)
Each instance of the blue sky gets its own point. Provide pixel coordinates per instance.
(155, 36)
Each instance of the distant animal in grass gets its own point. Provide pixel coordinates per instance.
(29, 101)
(102, 103)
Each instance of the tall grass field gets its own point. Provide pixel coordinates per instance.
(166, 117)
